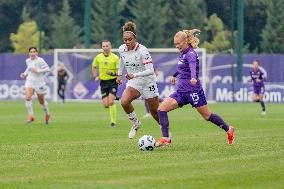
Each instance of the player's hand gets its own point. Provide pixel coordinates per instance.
(173, 80)
(258, 80)
(97, 79)
(119, 79)
(33, 70)
(23, 75)
(193, 81)
(109, 72)
(129, 76)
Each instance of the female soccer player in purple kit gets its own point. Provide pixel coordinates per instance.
(257, 77)
(188, 88)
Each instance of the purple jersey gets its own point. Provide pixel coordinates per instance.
(188, 67)
(257, 74)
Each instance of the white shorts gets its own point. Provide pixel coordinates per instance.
(40, 88)
(146, 89)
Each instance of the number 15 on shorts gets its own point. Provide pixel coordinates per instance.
(195, 97)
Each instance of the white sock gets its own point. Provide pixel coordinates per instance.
(45, 107)
(133, 117)
(29, 106)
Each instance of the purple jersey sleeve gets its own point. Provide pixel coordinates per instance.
(191, 58)
(175, 74)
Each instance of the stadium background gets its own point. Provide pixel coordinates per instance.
(234, 33)
(78, 149)
(218, 76)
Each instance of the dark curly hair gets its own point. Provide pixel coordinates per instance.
(130, 27)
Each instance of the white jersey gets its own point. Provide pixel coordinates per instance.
(135, 61)
(36, 79)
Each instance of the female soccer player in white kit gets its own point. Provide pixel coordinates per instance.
(34, 74)
(140, 74)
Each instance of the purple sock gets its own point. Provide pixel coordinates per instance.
(146, 107)
(217, 120)
(164, 122)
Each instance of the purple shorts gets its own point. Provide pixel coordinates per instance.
(196, 99)
(258, 90)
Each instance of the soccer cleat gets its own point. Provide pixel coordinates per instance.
(133, 130)
(30, 119)
(263, 113)
(47, 117)
(147, 115)
(163, 142)
(112, 125)
(230, 134)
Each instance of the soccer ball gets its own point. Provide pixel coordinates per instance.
(146, 143)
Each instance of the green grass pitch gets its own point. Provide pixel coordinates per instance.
(79, 149)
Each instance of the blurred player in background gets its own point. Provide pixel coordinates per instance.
(108, 64)
(257, 77)
(34, 74)
(62, 77)
(188, 89)
(140, 75)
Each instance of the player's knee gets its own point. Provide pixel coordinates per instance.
(124, 102)
(111, 103)
(28, 98)
(105, 104)
(206, 115)
(153, 111)
(162, 108)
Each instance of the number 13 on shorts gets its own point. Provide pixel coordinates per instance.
(152, 88)
(151, 91)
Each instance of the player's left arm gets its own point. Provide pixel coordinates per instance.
(192, 60)
(148, 63)
(262, 76)
(66, 76)
(116, 62)
(43, 67)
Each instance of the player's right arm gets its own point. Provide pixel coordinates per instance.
(119, 72)
(251, 77)
(25, 73)
(174, 78)
(94, 69)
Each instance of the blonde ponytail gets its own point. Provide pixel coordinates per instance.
(190, 37)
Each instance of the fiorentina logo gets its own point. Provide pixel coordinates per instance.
(80, 91)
